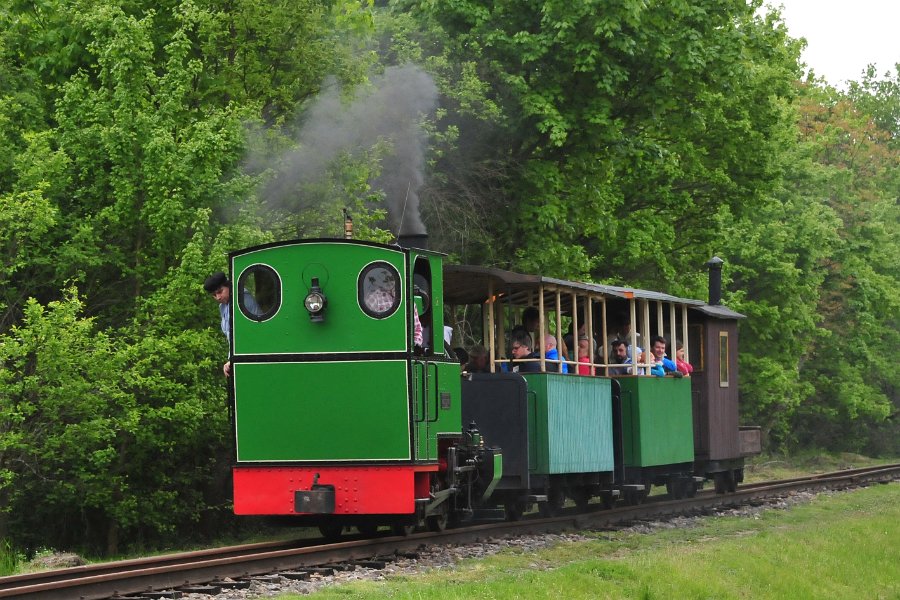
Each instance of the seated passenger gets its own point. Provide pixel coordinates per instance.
(684, 367)
(531, 321)
(521, 350)
(461, 356)
(551, 353)
(662, 365)
(584, 356)
(641, 359)
(478, 360)
(620, 357)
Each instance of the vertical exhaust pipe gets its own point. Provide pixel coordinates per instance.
(348, 225)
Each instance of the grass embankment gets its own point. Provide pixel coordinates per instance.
(844, 545)
(769, 467)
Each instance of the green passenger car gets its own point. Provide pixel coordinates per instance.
(657, 423)
(571, 425)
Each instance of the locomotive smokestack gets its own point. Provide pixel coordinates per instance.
(715, 280)
(413, 240)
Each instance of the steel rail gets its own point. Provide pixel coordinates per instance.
(96, 582)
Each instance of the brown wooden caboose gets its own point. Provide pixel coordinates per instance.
(720, 443)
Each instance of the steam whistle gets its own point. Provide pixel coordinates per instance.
(348, 225)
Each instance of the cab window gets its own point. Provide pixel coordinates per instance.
(379, 290)
(259, 292)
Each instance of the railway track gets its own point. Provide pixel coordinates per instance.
(210, 569)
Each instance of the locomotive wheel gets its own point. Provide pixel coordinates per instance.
(514, 510)
(367, 530)
(438, 522)
(403, 530)
(331, 531)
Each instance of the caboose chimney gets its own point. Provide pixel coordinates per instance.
(715, 280)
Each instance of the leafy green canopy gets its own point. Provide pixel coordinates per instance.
(630, 125)
(123, 127)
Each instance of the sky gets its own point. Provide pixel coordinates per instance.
(843, 36)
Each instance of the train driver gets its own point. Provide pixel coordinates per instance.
(218, 286)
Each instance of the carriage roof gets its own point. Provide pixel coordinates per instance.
(468, 284)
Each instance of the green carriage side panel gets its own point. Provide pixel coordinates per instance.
(346, 328)
(657, 423)
(317, 411)
(570, 423)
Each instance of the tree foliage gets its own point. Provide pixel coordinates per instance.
(622, 142)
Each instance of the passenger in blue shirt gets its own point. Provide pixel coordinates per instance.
(663, 365)
(552, 354)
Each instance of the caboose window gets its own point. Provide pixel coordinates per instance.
(259, 292)
(379, 290)
(723, 359)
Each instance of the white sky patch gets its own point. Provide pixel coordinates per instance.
(843, 37)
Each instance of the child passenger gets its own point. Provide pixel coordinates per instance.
(584, 356)
(684, 367)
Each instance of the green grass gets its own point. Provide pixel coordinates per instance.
(10, 559)
(767, 467)
(838, 546)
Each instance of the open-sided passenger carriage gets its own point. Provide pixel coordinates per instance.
(661, 431)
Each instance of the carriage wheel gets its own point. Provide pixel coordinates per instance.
(367, 530)
(555, 500)
(731, 481)
(582, 497)
(608, 500)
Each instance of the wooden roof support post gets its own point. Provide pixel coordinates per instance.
(633, 340)
(541, 327)
(559, 341)
(672, 330)
(604, 336)
(645, 306)
(660, 326)
(490, 318)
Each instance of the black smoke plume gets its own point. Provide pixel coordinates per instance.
(389, 109)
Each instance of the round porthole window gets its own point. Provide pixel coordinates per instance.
(259, 292)
(379, 290)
